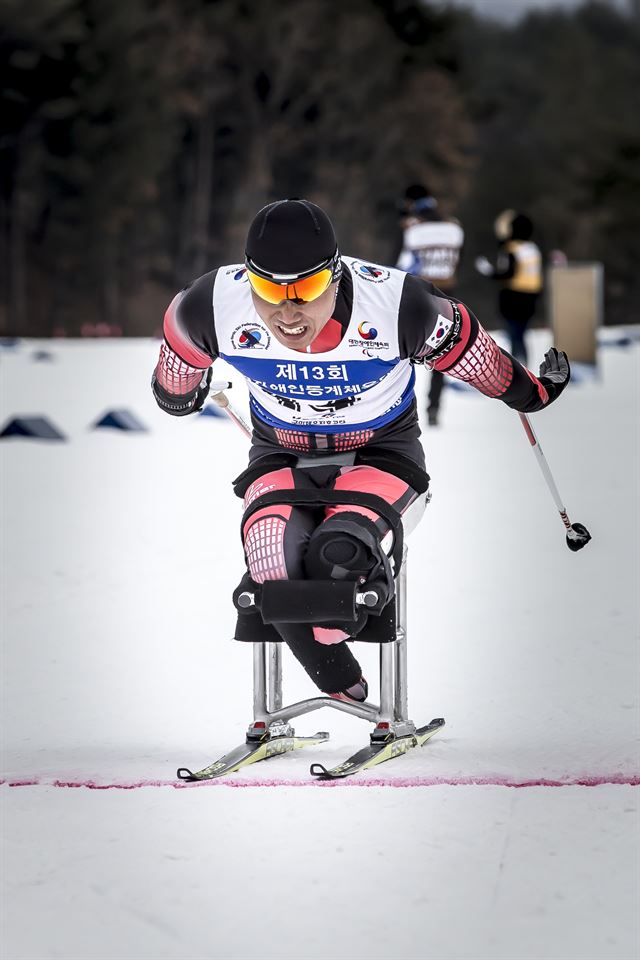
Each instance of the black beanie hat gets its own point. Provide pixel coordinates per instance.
(290, 237)
(521, 227)
(416, 191)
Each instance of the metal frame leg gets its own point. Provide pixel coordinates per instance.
(260, 709)
(401, 691)
(274, 675)
(267, 679)
(387, 687)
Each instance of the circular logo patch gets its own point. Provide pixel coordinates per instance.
(371, 272)
(250, 337)
(366, 331)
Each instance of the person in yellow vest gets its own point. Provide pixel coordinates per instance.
(519, 271)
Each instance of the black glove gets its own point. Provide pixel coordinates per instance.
(183, 404)
(555, 373)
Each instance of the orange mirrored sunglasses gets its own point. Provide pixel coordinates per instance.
(304, 289)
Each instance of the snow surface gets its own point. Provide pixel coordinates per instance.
(120, 553)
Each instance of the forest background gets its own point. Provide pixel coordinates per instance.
(139, 137)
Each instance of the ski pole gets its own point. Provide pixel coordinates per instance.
(219, 397)
(577, 534)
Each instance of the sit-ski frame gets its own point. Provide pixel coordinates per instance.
(270, 734)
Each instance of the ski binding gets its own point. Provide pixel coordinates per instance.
(387, 743)
(262, 743)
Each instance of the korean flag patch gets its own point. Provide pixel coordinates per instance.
(440, 333)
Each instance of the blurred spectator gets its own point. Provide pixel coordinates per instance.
(100, 329)
(558, 258)
(431, 247)
(519, 271)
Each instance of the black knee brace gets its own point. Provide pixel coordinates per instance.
(344, 547)
(347, 547)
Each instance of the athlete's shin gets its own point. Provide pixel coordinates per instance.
(332, 668)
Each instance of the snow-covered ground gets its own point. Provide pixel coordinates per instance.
(120, 553)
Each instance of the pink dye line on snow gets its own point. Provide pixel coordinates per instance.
(584, 781)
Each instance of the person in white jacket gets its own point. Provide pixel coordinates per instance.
(431, 249)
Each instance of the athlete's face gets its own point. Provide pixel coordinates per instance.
(296, 325)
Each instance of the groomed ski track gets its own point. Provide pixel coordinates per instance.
(364, 781)
(513, 835)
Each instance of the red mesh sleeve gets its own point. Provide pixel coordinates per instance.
(178, 335)
(478, 360)
(174, 375)
(484, 366)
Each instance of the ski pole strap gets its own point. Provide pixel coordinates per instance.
(318, 498)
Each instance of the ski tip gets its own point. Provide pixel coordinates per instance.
(318, 770)
(183, 773)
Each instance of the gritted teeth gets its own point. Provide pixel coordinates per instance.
(293, 331)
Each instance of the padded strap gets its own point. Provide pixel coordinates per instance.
(318, 498)
(308, 601)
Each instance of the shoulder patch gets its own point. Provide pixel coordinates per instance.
(440, 332)
(444, 336)
(238, 272)
(370, 271)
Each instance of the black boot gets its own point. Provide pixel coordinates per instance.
(358, 692)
